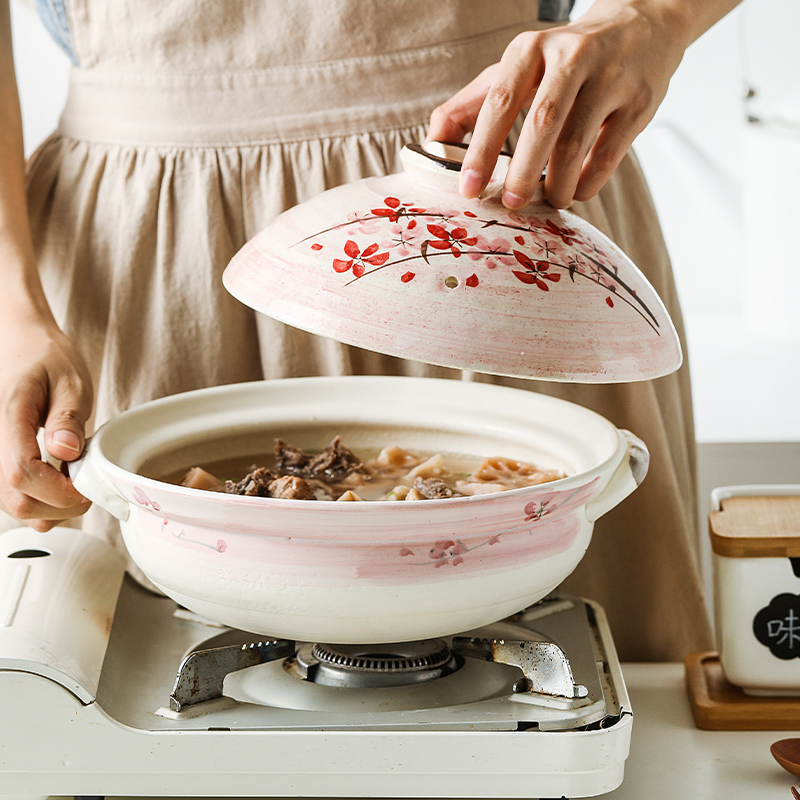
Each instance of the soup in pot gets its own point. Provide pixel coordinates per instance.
(337, 473)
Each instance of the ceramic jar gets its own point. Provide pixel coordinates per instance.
(755, 541)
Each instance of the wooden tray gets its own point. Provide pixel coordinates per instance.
(718, 705)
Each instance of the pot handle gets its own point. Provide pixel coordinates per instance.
(91, 484)
(628, 475)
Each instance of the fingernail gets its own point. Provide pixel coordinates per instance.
(471, 183)
(68, 439)
(513, 201)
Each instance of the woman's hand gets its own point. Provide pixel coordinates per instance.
(43, 381)
(591, 87)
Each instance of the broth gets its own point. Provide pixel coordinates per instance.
(391, 473)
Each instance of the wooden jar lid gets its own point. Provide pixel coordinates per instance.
(756, 527)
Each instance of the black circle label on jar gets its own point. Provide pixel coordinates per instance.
(777, 626)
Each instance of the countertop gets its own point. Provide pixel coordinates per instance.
(671, 758)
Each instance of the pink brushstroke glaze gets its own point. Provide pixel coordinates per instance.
(143, 499)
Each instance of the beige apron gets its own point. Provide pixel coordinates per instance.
(190, 125)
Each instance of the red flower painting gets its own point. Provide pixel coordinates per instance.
(536, 272)
(358, 259)
(453, 240)
(407, 239)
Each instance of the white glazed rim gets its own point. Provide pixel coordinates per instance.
(125, 442)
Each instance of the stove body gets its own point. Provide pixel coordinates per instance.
(88, 665)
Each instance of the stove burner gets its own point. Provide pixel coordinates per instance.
(365, 666)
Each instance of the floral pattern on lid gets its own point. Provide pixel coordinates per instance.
(405, 266)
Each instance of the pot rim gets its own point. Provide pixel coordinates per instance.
(96, 446)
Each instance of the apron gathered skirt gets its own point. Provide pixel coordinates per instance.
(191, 125)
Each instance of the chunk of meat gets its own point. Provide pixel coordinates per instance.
(333, 465)
(254, 484)
(290, 460)
(290, 487)
(433, 489)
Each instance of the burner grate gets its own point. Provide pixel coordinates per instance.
(410, 657)
(365, 666)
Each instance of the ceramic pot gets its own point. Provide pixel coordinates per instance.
(404, 265)
(358, 572)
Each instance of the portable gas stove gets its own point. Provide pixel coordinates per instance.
(108, 689)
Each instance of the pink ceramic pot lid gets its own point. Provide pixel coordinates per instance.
(403, 265)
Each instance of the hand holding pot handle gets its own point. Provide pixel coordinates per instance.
(90, 483)
(628, 475)
(46, 389)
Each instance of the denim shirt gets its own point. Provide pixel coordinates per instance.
(54, 16)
